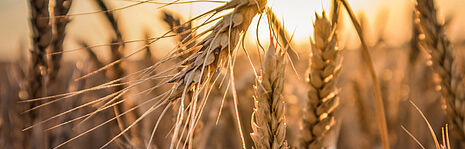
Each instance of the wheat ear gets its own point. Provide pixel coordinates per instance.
(210, 55)
(323, 99)
(41, 37)
(37, 79)
(268, 122)
(445, 65)
(213, 51)
(61, 9)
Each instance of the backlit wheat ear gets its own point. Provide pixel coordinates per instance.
(445, 65)
(268, 121)
(213, 51)
(210, 55)
(323, 99)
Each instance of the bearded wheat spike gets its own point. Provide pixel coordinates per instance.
(213, 51)
(268, 122)
(210, 55)
(318, 118)
(445, 65)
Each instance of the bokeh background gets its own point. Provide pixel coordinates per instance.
(297, 16)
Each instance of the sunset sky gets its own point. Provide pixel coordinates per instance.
(297, 15)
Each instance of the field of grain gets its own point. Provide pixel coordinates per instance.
(233, 74)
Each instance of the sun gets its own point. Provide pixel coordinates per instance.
(296, 15)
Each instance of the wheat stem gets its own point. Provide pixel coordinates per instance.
(380, 112)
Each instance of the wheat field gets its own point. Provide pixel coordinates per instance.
(205, 74)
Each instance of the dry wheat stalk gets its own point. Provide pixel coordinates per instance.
(61, 9)
(268, 121)
(380, 112)
(445, 65)
(318, 117)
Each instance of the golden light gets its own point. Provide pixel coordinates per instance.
(296, 15)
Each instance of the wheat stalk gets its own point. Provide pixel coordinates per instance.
(444, 63)
(323, 98)
(380, 112)
(268, 121)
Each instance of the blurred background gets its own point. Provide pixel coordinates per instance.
(297, 16)
(404, 71)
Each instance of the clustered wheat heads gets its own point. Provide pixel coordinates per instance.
(444, 64)
(268, 121)
(318, 117)
(183, 80)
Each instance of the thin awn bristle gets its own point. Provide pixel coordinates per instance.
(117, 71)
(268, 121)
(323, 99)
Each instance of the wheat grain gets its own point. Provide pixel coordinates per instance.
(444, 64)
(268, 121)
(318, 117)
